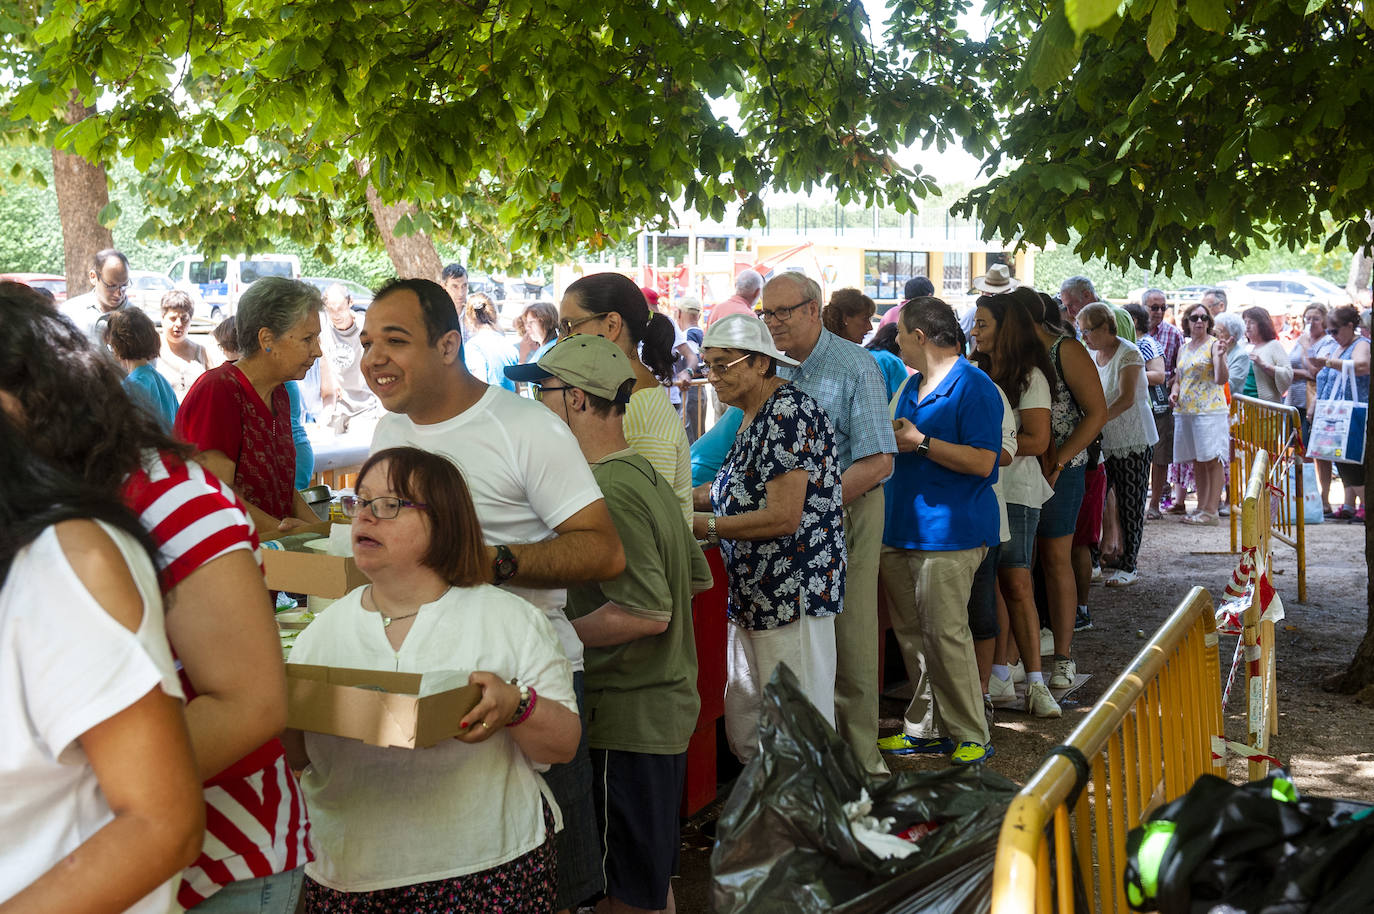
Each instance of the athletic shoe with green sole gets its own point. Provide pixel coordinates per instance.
(972, 753)
(901, 744)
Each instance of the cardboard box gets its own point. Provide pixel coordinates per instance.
(310, 572)
(336, 701)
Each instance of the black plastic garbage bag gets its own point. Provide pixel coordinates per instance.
(1256, 848)
(785, 843)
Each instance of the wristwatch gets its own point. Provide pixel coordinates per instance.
(923, 449)
(504, 566)
(712, 536)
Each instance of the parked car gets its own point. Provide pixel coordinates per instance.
(361, 294)
(221, 282)
(55, 284)
(1184, 296)
(1278, 293)
(146, 289)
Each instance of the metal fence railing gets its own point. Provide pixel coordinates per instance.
(1258, 425)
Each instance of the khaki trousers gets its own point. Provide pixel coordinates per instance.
(856, 632)
(927, 598)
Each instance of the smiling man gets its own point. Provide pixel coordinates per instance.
(543, 518)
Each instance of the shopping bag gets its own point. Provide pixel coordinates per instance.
(1338, 424)
(1311, 495)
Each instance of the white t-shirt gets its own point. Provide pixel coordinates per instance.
(1009, 426)
(387, 817)
(1025, 483)
(526, 474)
(1134, 430)
(65, 666)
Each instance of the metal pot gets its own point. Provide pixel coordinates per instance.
(318, 498)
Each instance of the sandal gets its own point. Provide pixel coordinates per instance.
(1179, 508)
(1201, 519)
(1342, 513)
(1152, 514)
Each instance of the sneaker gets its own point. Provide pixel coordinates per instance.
(970, 753)
(1018, 671)
(1062, 673)
(989, 712)
(1097, 574)
(1001, 690)
(1224, 511)
(901, 744)
(1046, 642)
(1082, 620)
(1039, 701)
(1123, 579)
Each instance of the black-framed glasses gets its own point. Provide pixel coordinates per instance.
(719, 369)
(1196, 318)
(782, 314)
(1159, 307)
(383, 507)
(566, 326)
(540, 390)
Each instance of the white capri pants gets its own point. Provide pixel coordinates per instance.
(807, 646)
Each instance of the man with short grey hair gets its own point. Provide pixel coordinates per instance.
(109, 276)
(844, 379)
(348, 396)
(747, 286)
(1214, 300)
(1077, 293)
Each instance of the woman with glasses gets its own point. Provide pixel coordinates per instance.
(1201, 419)
(218, 615)
(538, 325)
(464, 825)
(239, 414)
(1327, 361)
(775, 509)
(1129, 436)
(610, 305)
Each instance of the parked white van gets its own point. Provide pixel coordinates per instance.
(221, 282)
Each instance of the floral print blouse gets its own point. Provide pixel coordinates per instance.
(771, 582)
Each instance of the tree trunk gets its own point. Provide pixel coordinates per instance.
(1360, 673)
(412, 255)
(82, 192)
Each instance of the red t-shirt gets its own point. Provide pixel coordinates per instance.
(255, 816)
(222, 412)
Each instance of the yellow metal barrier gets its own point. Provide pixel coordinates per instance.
(1258, 425)
(1261, 684)
(1145, 743)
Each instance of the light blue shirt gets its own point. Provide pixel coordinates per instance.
(844, 379)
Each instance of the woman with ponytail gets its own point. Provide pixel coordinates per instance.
(611, 305)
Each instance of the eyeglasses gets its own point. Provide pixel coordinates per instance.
(1197, 318)
(1093, 328)
(383, 507)
(117, 286)
(567, 326)
(718, 369)
(782, 314)
(1159, 307)
(540, 390)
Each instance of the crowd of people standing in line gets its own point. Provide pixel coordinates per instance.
(552, 544)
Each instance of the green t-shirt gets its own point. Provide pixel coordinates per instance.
(642, 695)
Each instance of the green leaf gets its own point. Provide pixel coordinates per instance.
(1163, 26)
(1313, 6)
(109, 214)
(1052, 53)
(1209, 14)
(1089, 14)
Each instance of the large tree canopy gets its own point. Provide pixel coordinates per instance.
(520, 124)
(1155, 127)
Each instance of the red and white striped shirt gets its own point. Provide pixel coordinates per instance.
(255, 819)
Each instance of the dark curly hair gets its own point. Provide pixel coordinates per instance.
(77, 413)
(132, 336)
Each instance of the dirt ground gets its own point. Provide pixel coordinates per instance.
(1324, 738)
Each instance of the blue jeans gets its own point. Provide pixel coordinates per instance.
(269, 895)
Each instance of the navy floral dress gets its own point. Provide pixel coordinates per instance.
(773, 581)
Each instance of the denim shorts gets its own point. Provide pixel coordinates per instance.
(982, 598)
(1059, 515)
(1019, 551)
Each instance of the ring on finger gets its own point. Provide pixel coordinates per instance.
(486, 726)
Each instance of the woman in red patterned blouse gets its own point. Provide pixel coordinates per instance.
(239, 416)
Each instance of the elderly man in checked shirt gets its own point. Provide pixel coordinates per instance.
(845, 380)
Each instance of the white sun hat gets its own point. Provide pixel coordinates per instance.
(745, 332)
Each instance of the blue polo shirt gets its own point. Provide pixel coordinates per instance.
(930, 507)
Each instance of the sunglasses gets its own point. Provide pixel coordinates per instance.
(1198, 319)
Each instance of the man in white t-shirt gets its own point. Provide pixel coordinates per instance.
(543, 518)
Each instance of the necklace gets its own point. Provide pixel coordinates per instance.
(387, 620)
